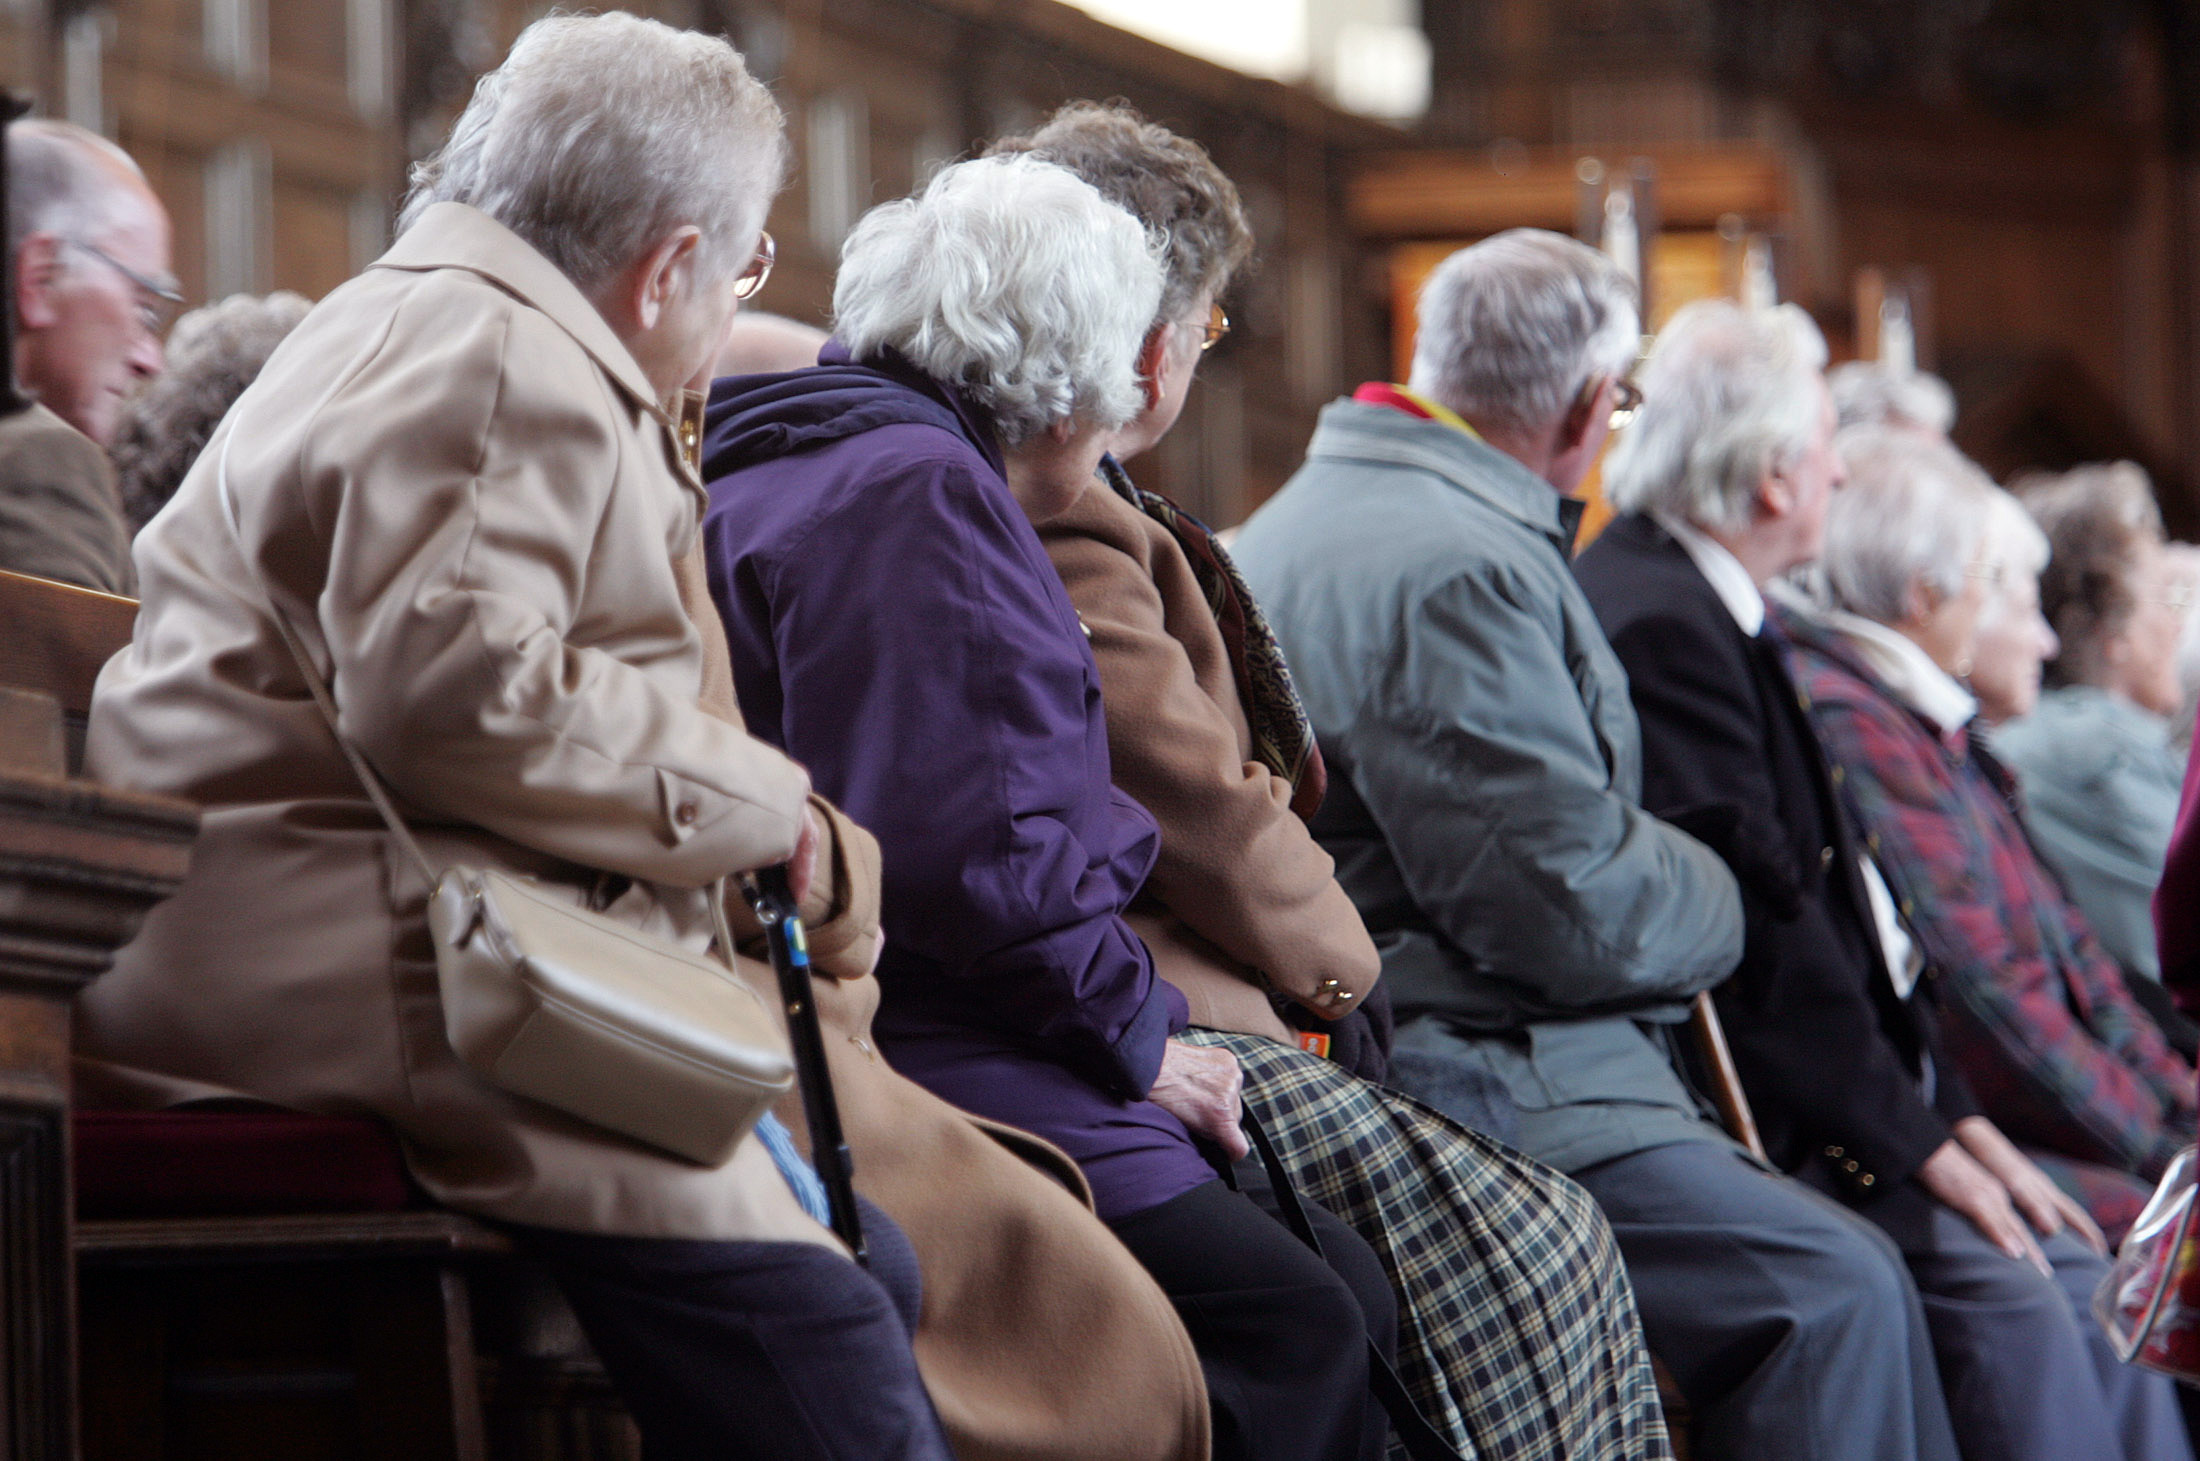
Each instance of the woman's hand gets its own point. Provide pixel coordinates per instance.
(802, 867)
(1956, 1178)
(1201, 1088)
(2046, 1206)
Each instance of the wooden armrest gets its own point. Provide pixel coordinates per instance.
(304, 1238)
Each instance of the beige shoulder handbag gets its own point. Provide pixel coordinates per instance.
(562, 1005)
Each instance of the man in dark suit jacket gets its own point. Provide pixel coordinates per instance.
(1723, 488)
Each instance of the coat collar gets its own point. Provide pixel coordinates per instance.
(1358, 431)
(1721, 569)
(456, 236)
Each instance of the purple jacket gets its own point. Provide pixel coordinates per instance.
(897, 628)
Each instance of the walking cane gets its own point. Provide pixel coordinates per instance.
(772, 897)
(13, 398)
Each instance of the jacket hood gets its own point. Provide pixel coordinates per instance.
(757, 418)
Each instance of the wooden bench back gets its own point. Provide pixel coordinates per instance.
(53, 639)
(56, 636)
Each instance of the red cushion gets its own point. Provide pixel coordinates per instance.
(234, 1163)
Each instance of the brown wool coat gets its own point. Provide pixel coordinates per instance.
(1241, 891)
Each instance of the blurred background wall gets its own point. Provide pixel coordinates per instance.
(2006, 191)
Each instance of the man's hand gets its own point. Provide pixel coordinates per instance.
(802, 867)
(1200, 1087)
(2046, 1206)
(1955, 1177)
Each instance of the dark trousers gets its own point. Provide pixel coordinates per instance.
(2029, 1375)
(784, 1351)
(1790, 1323)
(1281, 1334)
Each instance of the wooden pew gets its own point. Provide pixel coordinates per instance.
(212, 1337)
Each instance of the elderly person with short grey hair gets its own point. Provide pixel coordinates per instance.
(2100, 771)
(213, 353)
(1540, 930)
(897, 628)
(2030, 1030)
(89, 244)
(458, 498)
(1868, 393)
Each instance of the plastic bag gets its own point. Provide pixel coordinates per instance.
(2150, 1302)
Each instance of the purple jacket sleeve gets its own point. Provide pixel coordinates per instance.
(935, 680)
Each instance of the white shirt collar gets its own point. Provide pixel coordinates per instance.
(1919, 683)
(1728, 579)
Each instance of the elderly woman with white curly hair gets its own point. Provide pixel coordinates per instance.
(897, 627)
(457, 504)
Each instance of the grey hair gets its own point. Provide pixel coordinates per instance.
(1730, 396)
(214, 353)
(1866, 393)
(1510, 329)
(1915, 512)
(63, 180)
(1014, 280)
(600, 134)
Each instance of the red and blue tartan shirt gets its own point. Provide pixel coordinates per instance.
(2034, 1011)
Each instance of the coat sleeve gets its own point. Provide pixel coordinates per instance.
(1237, 865)
(2035, 1066)
(1800, 1013)
(1476, 760)
(461, 546)
(931, 671)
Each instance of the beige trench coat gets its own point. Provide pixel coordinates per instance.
(1241, 895)
(459, 488)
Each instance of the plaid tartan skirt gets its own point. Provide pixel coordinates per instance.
(1517, 1330)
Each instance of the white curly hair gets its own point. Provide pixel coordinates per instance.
(1014, 280)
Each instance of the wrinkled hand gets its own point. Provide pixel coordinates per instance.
(2047, 1207)
(802, 867)
(1201, 1087)
(1954, 1176)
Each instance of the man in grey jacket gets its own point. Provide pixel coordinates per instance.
(1540, 930)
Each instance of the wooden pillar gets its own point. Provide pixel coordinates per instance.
(79, 867)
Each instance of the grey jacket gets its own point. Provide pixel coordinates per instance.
(2101, 781)
(1485, 769)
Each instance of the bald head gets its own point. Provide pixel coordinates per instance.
(90, 244)
(65, 180)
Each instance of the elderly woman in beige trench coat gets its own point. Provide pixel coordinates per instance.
(462, 482)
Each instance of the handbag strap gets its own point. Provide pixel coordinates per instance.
(369, 778)
(376, 793)
(1423, 1442)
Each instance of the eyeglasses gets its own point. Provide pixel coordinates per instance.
(2177, 597)
(752, 278)
(1211, 333)
(158, 299)
(1626, 401)
(1991, 574)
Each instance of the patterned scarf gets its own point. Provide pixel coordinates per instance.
(1283, 741)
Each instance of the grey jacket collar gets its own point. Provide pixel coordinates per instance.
(1360, 431)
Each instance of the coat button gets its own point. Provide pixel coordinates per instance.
(1834, 1151)
(1825, 859)
(1866, 1180)
(1849, 1165)
(686, 813)
(1871, 841)
(1839, 775)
